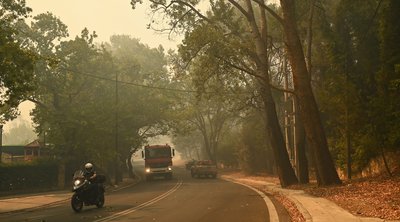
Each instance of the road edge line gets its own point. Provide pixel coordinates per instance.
(273, 213)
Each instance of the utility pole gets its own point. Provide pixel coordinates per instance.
(44, 142)
(116, 131)
(287, 114)
(295, 148)
(347, 133)
(347, 122)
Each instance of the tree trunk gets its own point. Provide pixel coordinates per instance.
(130, 166)
(385, 162)
(273, 130)
(300, 146)
(207, 145)
(274, 134)
(308, 109)
(348, 140)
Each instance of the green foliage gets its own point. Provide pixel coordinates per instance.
(346, 82)
(184, 12)
(217, 58)
(357, 90)
(37, 175)
(77, 105)
(16, 62)
(254, 154)
(144, 112)
(353, 82)
(385, 104)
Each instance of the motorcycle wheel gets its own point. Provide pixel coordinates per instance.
(100, 203)
(76, 203)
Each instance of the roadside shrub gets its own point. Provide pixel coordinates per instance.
(28, 176)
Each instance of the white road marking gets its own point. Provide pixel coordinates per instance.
(143, 205)
(120, 188)
(273, 214)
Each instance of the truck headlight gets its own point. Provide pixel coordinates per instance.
(169, 168)
(147, 170)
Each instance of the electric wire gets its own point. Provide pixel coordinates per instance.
(142, 85)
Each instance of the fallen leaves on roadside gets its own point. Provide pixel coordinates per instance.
(369, 197)
(373, 197)
(294, 213)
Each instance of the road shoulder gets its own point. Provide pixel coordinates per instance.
(311, 208)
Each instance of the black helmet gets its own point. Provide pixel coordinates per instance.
(89, 167)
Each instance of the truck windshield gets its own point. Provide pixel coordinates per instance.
(158, 152)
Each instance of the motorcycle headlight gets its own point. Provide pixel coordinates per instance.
(77, 182)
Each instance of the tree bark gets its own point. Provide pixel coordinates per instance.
(385, 162)
(274, 134)
(130, 166)
(310, 37)
(300, 146)
(308, 109)
(273, 130)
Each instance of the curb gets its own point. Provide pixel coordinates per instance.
(273, 189)
(273, 214)
(56, 203)
(307, 216)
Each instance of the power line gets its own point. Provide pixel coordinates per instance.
(129, 83)
(141, 85)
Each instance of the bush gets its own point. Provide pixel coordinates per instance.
(31, 176)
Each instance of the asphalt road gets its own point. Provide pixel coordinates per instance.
(180, 199)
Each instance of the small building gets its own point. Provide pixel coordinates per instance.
(12, 154)
(29, 152)
(33, 150)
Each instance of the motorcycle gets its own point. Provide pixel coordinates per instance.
(84, 192)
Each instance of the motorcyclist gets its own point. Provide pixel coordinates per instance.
(90, 175)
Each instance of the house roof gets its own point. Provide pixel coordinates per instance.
(33, 144)
(13, 150)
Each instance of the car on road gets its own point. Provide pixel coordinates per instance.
(204, 168)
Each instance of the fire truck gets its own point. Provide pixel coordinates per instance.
(158, 161)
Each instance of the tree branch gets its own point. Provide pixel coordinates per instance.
(240, 8)
(188, 5)
(38, 103)
(270, 11)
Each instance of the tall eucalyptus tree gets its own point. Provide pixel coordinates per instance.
(235, 47)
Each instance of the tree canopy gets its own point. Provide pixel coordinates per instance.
(16, 61)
